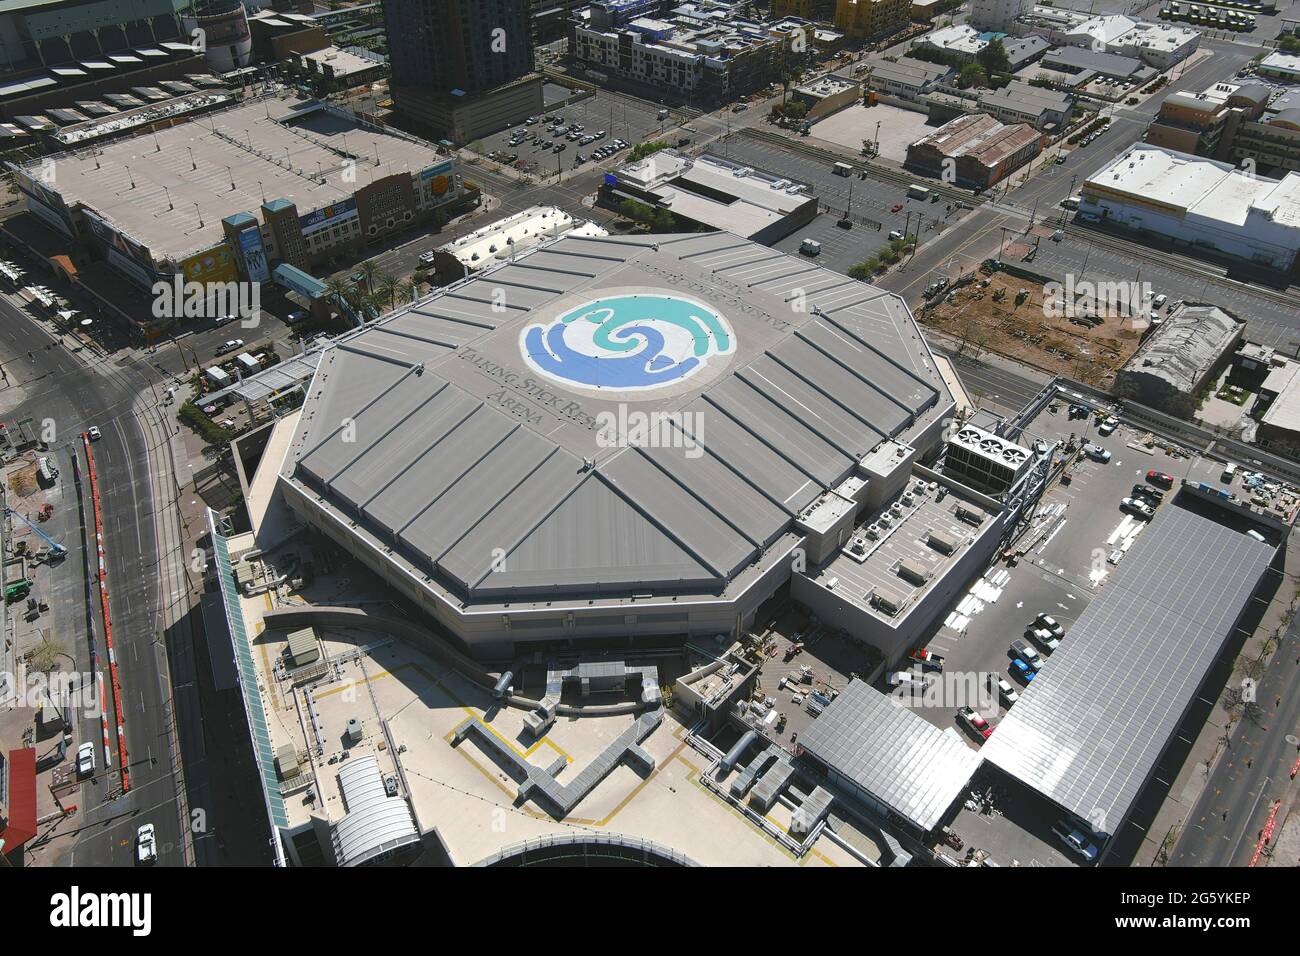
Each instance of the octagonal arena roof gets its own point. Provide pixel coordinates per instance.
(609, 416)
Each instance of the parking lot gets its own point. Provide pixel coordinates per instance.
(892, 126)
(877, 207)
(1068, 555)
(621, 117)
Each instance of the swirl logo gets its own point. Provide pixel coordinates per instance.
(628, 343)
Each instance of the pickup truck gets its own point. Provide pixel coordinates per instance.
(928, 660)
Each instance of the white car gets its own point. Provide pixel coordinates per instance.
(1047, 622)
(1109, 425)
(1043, 638)
(146, 845)
(93, 433)
(1096, 452)
(85, 760)
(1005, 691)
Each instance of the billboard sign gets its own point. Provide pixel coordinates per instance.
(212, 265)
(254, 255)
(327, 216)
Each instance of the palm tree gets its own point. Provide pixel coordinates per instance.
(408, 291)
(340, 292)
(369, 270)
(385, 288)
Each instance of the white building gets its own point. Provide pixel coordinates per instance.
(506, 238)
(1199, 203)
(1280, 66)
(1156, 44)
(996, 15)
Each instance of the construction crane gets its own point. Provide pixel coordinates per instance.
(56, 550)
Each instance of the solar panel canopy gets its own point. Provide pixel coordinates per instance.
(1089, 730)
(892, 753)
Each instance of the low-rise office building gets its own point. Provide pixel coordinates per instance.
(827, 95)
(906, 79)
(1280, 66)
(1021, 103)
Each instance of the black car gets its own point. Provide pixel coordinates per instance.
(1152, 494)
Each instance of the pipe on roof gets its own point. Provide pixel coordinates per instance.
(738, 750)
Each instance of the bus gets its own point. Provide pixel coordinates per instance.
(917, 191)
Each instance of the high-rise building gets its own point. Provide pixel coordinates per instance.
(462, 68)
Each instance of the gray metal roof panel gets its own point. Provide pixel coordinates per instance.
(892, 753)
(1090, 729)
(764, 459)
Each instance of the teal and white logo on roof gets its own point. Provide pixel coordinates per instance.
(634, 342)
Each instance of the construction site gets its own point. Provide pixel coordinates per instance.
(1038, 323)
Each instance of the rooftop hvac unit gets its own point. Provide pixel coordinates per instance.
(896, 508)
(884, 520)
(858, 546)
(830, 585)
(907, 498)
(883, 599)
(941, 542)
(873, 532)
(920, 488)
(913, 571)
(969, 515)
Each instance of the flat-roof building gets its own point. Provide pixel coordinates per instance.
(1280, 66)
(1198, 203)
(716, 193)
(176, 203)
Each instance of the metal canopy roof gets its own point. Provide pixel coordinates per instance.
(434, 432)
(1087, 733)
(897, 756)
(375, 823)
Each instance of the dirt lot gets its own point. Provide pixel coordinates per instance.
(1008, 316)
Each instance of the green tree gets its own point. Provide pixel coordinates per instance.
(994, 58)
(385, 288)
(664, 221)
(971, 74)
(638, 212)
(368, 271)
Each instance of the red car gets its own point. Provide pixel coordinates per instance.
(974, 723)
(897, 206)
(1160, 478)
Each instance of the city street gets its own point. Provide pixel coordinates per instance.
(53, 383)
